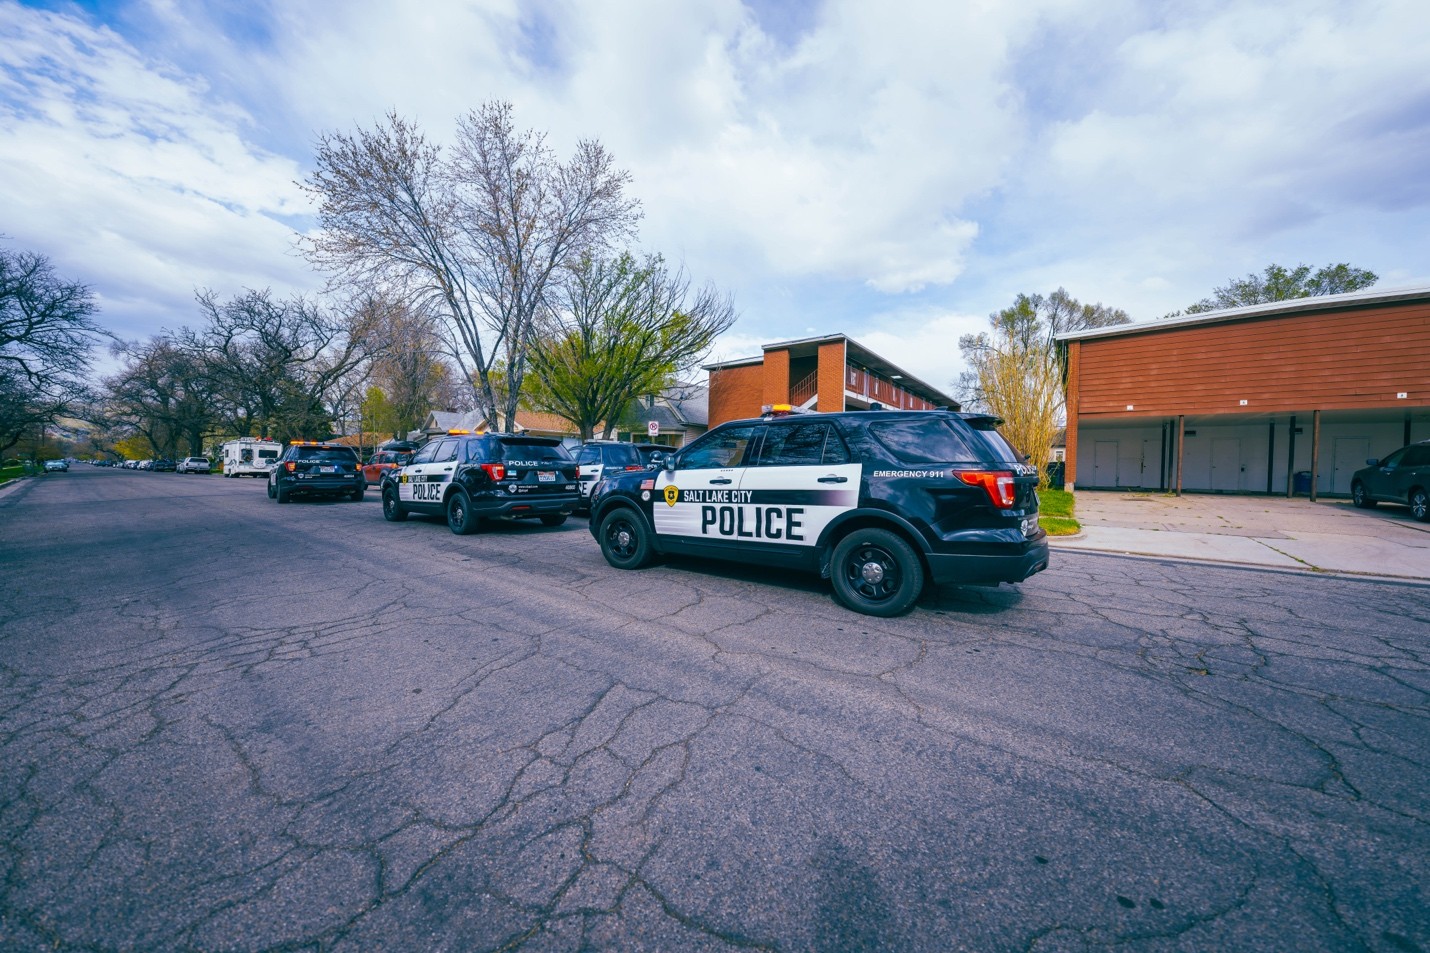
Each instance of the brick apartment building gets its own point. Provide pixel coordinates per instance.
(829, 373)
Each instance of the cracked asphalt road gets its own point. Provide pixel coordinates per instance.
(230, 725)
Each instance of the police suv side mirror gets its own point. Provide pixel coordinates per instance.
(669, 463)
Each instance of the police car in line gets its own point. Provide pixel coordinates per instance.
(876, 501)
(468, 477)
(311, 468)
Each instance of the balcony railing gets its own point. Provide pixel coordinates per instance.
(872, 387)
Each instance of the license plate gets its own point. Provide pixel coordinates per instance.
(544, 476)
(327, 469)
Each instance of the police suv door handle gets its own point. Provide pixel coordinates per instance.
(833, 479)
(721, 481)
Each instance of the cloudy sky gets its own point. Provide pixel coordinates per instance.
(894, 171)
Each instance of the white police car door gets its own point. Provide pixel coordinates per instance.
(694, 506)
(424, 479)
(802, 479)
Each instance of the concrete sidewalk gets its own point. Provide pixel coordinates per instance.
(1329, 536)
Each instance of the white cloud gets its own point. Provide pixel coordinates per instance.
(853, 167)
(130, 178)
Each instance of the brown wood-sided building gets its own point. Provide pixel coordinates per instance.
(830, 373)
(1292, 396)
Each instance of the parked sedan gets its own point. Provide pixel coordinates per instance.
(194, 465)
(1403, 477)
(56, 466)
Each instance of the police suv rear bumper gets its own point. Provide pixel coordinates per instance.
(985, 569)
(504, 507)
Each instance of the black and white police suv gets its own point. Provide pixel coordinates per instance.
(877, 501)
(469, 477)
(310, 468)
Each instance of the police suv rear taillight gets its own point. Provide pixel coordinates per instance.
(496, 471)
(997, 483)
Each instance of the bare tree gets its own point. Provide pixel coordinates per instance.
(625, 329)
(478, 238)
(411, 374)
(1017, 368)
(47, 333)
(163, 393)
(276, 368)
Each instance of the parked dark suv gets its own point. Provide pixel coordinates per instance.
(877, 501)
(595, 457)
(308, 468)
(470, 477)
(1402, 477)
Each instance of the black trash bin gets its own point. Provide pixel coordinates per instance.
(1301, 483)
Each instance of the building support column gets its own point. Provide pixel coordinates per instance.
(1181, 445)
(1270, 456)
(1315, 450)
(1291, 460)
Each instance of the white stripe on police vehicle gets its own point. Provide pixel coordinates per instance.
(791, 512)
(416, 488)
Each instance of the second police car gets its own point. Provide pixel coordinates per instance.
(468, 477)
(879, 502)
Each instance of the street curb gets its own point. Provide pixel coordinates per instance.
(1259, 567)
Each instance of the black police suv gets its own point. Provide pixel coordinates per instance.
(877, 501)
(309, 468)
(470, 477)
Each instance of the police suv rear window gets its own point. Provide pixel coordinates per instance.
(333, 454)
(621, 455)
(533, 451)
(923, 441)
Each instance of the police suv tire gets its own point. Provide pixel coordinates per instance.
(625, 539)
(875, 572)
(281, 495)
(357, 494)
(392, 509)
(553, 519)
(461, 519)
(271, 494)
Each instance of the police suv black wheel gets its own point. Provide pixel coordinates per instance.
(555, 519)
(392, 510)
(875, 572)
(357, 494)
(280, 494)
(625, 540)
(460, 517)
(271, 494)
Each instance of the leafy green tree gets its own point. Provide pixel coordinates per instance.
(625, 329)
(1277, 283)
(1017, 368)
